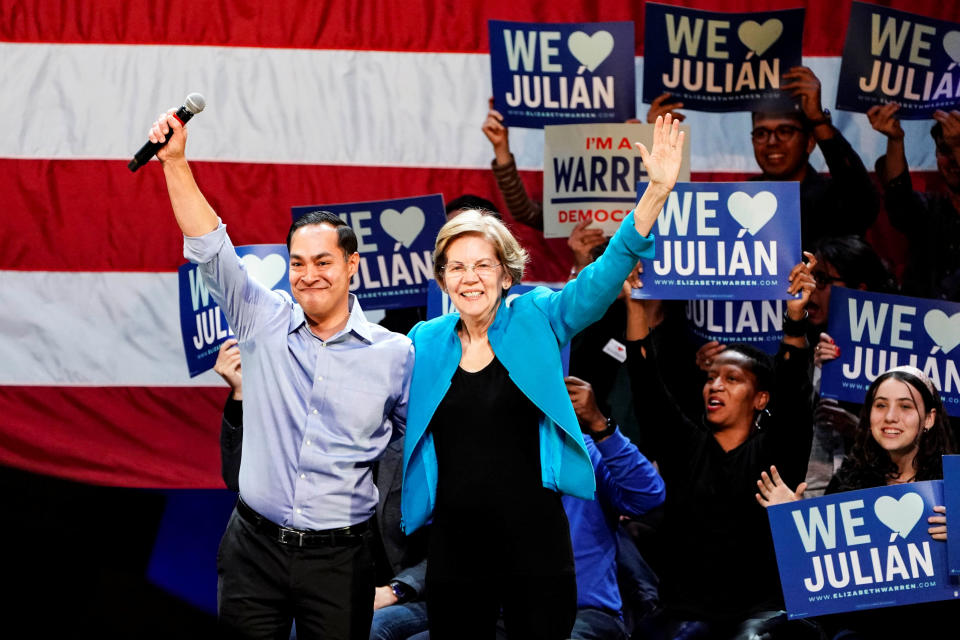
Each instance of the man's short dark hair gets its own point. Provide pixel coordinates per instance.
(346, 238)
(470, 201)
(789, 114)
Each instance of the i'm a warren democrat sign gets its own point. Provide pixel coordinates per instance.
(590, 172)
(861, 550)
(894, 56)
(876, 332)
(720, 61)
(756, 322)
(395, 240)
(724, 241)
(202, 323)
(562, 73)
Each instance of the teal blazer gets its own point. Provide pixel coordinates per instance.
(527, 335)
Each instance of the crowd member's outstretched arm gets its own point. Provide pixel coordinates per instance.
(228, 365)
(665, 429)
(853, 186)
(627, 483)
(790, 431)
(194, 214)
(883, 118)
(521, 207)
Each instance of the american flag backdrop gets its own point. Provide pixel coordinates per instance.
(307, 102)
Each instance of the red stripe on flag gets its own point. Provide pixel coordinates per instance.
(394, 25)
(94, 215)
(123, 436)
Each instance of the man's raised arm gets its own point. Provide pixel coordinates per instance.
(194, 214)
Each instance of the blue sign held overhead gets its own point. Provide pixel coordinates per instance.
(202, 324)
(724, 241)
(755, 322)
(861, 550)
(395, 240)
(714, 61)
(895, 56)
(876, 332)
(562, 73)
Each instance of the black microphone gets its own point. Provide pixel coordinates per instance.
(193, 105)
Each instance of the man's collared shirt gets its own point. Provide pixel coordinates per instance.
(316, 412)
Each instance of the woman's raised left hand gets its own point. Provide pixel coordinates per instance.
(662, 161)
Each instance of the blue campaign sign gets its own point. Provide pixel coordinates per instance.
(562, 73)
(395, 240)
(861, 550)
(951, 496)
(876, 332)
(756, 322)
(724, 241)
(202, 323)
(720, 61)
(438, 304)
(895, 56)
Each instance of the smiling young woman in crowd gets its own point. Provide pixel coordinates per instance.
(901, 437)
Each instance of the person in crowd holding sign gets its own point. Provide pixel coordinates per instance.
(719, 575)
(844, 203)
(323, 391)
(901, 437)
(493, 439)
(930, 220)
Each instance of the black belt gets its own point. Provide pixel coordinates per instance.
(300, 537)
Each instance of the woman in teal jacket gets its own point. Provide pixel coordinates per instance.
(492, 439)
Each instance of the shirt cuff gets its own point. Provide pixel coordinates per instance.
(200, 249)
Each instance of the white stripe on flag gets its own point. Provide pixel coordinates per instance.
(367, 108)
(100, 329)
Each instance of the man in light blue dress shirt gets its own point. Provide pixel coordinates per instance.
(324, 390)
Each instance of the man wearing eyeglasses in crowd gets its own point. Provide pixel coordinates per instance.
(843, 203)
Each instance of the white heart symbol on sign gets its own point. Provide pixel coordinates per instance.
(403, 227)
(757, 37)
(752, 213)
(590, 50)
(267, 271)
(951, 44)
(900, 515)
(945, 330)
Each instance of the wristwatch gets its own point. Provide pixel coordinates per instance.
(826, 118)
(600, 435)
(402, 591)
(795, 328)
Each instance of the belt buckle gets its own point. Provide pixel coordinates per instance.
(295, 537)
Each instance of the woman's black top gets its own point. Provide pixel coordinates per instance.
(492, 511)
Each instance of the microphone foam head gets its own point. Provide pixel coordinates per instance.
(195, 103)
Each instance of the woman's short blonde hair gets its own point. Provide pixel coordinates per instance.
(511, 255)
